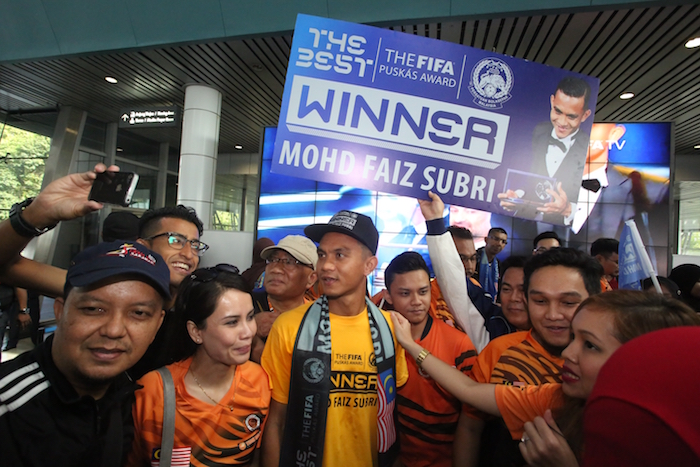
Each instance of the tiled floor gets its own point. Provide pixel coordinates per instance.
(23, 345)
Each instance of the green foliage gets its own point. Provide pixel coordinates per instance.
(22, 158)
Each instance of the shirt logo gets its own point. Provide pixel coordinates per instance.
(314, 370)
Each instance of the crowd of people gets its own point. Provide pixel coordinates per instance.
(527, 361)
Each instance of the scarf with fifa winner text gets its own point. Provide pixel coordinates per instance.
(310, 384)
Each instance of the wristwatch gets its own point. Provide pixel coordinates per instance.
(21, 226)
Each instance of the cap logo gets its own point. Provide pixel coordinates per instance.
(128, 249)
(345, 219)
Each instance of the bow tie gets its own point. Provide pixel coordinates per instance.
(591, 185)
(555, 142)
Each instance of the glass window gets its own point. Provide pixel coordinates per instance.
(137, 148)
(171, 190)
(688, 218)
(235, 202)
(94, 135)
(21, 165)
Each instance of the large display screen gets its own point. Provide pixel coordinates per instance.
(632, 159)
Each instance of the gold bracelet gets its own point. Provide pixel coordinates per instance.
(422, 356)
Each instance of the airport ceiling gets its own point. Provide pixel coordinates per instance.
(638, 50)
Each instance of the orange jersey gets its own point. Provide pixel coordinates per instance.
(439, 308)
(517, 359)
(427, 413)
(205, 434)
(519, 405)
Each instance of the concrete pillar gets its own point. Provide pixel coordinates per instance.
(198, 150)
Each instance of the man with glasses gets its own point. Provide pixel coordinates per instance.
(486, 261)
(289, 273)
(173, 233)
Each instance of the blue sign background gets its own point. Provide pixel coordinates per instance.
(341, 74)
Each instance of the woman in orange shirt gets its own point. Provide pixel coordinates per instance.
(600, 326)
(221, 397)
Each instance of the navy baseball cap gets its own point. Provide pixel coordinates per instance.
(354, 224)
(116, 258)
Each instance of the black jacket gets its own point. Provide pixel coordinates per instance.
(43, 421)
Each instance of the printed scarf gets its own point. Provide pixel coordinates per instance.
(310, 384)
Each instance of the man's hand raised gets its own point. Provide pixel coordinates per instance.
(64, 199)
(432, 208)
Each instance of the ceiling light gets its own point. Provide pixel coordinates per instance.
(238, 146)
(692, 43)
(109, 79)
(697, 146)
(120, 150)
(626, 95)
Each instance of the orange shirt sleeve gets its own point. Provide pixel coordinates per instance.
(519, 405)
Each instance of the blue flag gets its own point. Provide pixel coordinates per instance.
(635, 265)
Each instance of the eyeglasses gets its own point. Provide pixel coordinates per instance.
(209, 274)
(287, 263)
(178, 242)
(499, 240)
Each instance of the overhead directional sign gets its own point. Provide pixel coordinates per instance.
(145, 117)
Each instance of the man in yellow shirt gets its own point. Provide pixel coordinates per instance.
(335, 365)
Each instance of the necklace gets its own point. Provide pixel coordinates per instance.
(230, 407)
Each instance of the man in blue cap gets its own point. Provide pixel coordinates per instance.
(68, 402)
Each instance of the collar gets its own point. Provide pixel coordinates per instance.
(600, 174)
(427, 327)
(568, 141)
(120, 388)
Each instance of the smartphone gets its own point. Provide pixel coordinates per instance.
(114, 188)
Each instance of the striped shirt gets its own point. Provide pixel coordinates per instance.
(43, 421)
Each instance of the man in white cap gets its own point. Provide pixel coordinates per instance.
(290, 272)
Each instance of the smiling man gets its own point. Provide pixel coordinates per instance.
(559, 149)
(428, 416)
(68, 402)
(555, 283)
(173, 233)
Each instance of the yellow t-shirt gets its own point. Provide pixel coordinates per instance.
(351, 425)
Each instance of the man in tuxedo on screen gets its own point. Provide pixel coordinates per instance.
(558, 149)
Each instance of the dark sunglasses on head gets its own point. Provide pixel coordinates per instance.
(209, 274)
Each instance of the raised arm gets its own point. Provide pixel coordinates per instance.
(63, 199)
(450, 273)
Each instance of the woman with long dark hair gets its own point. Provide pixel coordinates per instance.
(601, 325)
(221, 397)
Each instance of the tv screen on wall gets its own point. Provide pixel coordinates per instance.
(630, 160)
